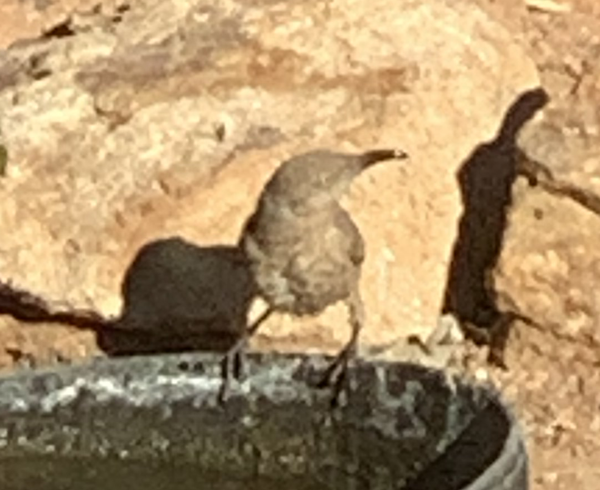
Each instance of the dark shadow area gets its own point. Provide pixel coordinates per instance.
(471, 452)
(29, 308)
(63, 29)
(177, 297)
(68, 27)
(486, 181)
(180, 297)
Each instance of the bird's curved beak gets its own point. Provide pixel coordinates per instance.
(400, 154)
(375, 156)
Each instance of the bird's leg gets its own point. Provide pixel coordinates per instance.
(231, 365)
(335, 374)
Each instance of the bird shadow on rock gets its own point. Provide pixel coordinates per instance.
(486, 179)
(180, 297)
(177, 297)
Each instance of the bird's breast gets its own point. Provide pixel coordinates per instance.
(305, 266)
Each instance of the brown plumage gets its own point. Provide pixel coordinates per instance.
(305, 252)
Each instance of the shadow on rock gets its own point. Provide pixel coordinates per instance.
(177, 297)
(180, 297)
(486, 180)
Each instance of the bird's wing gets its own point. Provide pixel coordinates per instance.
(354, 243)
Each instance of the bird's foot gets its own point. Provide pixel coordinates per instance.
(499, 335)
(336, 375)
(334, 369)
(231, 367)
(423, 345)
(494, 336)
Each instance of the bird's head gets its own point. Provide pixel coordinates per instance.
(320, 177)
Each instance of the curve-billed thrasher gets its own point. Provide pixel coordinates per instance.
(305, 252)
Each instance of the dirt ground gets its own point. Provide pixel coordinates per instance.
(551, 381)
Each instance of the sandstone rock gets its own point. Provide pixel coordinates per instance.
(169, 121)
(550, 262)
(28, 19)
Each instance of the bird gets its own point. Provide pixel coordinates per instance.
(303, 249)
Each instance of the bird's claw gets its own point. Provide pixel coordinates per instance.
(336, 376)
(231, 367)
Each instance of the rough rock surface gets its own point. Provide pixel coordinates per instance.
(169, 121)
(242, 120)
(550, 265)
(548, 269)
(25, 19)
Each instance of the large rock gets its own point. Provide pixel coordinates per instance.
(549, 267)
(169, 121)
(550, 264)
(27, 19)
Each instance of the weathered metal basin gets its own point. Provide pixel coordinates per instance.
(154, 423)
